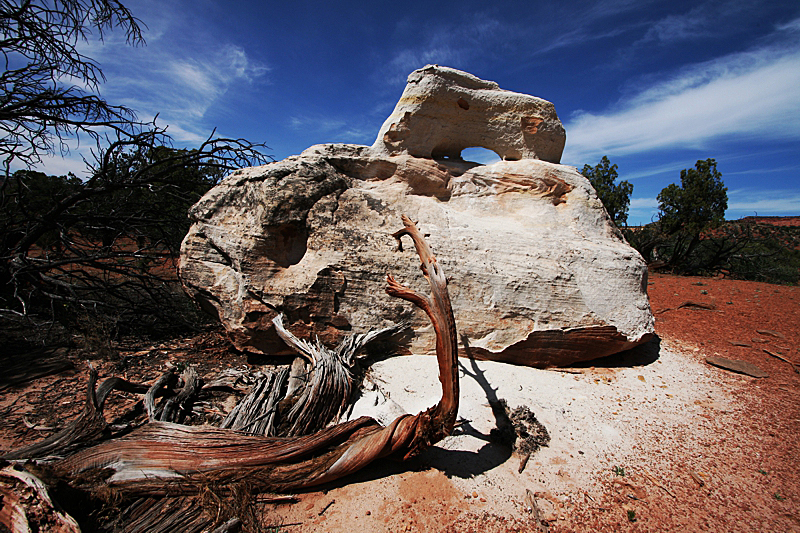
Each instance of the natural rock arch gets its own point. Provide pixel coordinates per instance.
(443, 111)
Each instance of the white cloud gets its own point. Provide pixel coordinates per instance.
(178, 75)
(408, 60)
(745, 202)
(182, 85)
(677, 27)
(740, 95)
(456, 44)
(643, 203)
(56, 165)
(741, 203)
(703, 20)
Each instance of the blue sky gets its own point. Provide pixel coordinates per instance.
(655, 85)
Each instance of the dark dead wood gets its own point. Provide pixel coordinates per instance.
(523, 462)
(88, 428)
(167, 459)
(26, 506)
(701, 306)
(176, 407)
(689, 304)
(538, 521)
(21, 369)
(256, 412)
(771, 333)
(231, 526)
(166, 380)
(322, 511)
(162, 515)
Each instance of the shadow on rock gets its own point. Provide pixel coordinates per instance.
(642, 355)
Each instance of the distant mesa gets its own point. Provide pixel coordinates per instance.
(538, 273)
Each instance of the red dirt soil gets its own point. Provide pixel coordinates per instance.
(748, 461)
(734, 470)
(775, 221)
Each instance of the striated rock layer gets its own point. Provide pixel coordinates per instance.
(538, 275)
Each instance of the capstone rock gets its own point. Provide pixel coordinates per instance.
(538, 274)
(443, 111)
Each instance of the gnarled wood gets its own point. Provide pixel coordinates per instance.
(164, 458)
(83, 431)
(25, 505)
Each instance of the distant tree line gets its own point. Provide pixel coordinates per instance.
(690, 235)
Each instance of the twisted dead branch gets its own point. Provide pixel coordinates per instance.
(88, 428)
(164, 458)
(168, 458)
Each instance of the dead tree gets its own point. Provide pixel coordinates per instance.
(164, 458)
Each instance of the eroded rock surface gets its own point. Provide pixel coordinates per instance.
(443, 111)
(538, 275)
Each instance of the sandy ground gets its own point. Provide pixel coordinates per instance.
(598, 419)
(652, 440)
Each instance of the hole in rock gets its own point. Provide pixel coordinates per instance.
(479, 155)
(284, 244)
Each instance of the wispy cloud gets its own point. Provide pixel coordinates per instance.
(56, 165)
(741, 202)
(740, 95)
(745, 202)
(643, 203)
(489, 38)
(180, 74)
(335, 129)
(453, 45)
(180, 87)
(703, 20)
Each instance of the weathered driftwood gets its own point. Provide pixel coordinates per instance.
(255, 413)
(167, 379)
(164, 458)
(330, 376)
(176, 407)
(23, 368)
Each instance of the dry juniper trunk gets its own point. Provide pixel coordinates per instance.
(164, 458)
(171, 458)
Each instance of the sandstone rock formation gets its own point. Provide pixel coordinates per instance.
(443, 110)
(538, 274)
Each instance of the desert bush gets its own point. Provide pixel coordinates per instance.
(736, 249)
